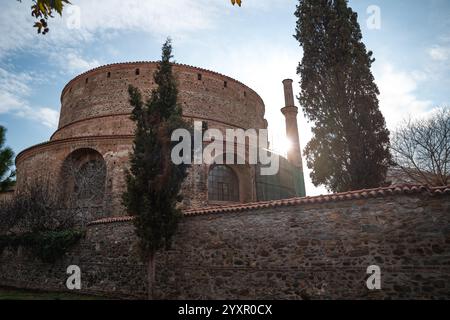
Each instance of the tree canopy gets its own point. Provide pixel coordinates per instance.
(154, 181)
(6, 162)
(350, 145)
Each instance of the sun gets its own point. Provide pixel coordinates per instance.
(282, 145)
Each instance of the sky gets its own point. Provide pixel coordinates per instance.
(253, 44)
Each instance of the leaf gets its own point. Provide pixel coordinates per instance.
(45, 9)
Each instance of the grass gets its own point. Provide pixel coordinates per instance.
(21, 294)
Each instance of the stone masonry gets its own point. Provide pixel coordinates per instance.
(316, 248)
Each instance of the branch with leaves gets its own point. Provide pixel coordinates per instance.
(42, 10)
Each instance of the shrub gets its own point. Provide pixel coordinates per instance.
(33, 220)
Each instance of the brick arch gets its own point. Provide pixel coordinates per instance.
(82, 179)
(223, 184)
(245, 176)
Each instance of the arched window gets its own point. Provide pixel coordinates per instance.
(90, 180)
(84, 176)
(223, 184)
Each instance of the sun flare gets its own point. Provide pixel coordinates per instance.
(282, 145)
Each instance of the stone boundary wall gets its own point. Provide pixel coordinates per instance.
(319, 250)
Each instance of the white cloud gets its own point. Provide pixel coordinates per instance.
(13, 87)
(48, 117)
(15, 17)
(101, 18)
(74, 63)
(164, 17)
(14, 91)
(398, 98)
(265, 5)
(439, 53)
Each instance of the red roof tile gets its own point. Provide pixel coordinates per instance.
(351, 195)
(111, 220)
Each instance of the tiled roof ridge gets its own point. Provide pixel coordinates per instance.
(351, 195)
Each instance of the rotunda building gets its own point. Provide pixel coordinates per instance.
(86, 158)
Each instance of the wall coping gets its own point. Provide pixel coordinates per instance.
(405, 189)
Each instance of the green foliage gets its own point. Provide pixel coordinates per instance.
(350, 145)
(6, 162)
(42, 10)
(48, 246)
(154, 182)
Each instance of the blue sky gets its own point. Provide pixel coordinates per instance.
(253, 44)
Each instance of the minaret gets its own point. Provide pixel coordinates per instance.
(290, 111)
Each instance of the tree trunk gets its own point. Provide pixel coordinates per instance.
(151, 276)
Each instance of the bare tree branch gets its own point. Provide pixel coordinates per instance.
(421, 149)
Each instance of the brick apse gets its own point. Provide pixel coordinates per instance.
(299, 248)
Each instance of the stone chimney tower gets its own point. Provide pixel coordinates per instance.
(290, 111)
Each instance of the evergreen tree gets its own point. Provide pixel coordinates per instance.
(6, 162)
(350, 145)
(154, 182)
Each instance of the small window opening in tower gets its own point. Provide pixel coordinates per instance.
(87, 80)
(138, 72)
(245, 93)
(109, 74)
(225, 84)
(199, 76)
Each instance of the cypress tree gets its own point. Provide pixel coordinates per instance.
(350, 145)
(6, 162)
(153, 181)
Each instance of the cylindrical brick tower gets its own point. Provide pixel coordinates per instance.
(290, 111)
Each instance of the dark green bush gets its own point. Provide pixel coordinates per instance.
(49, 246)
